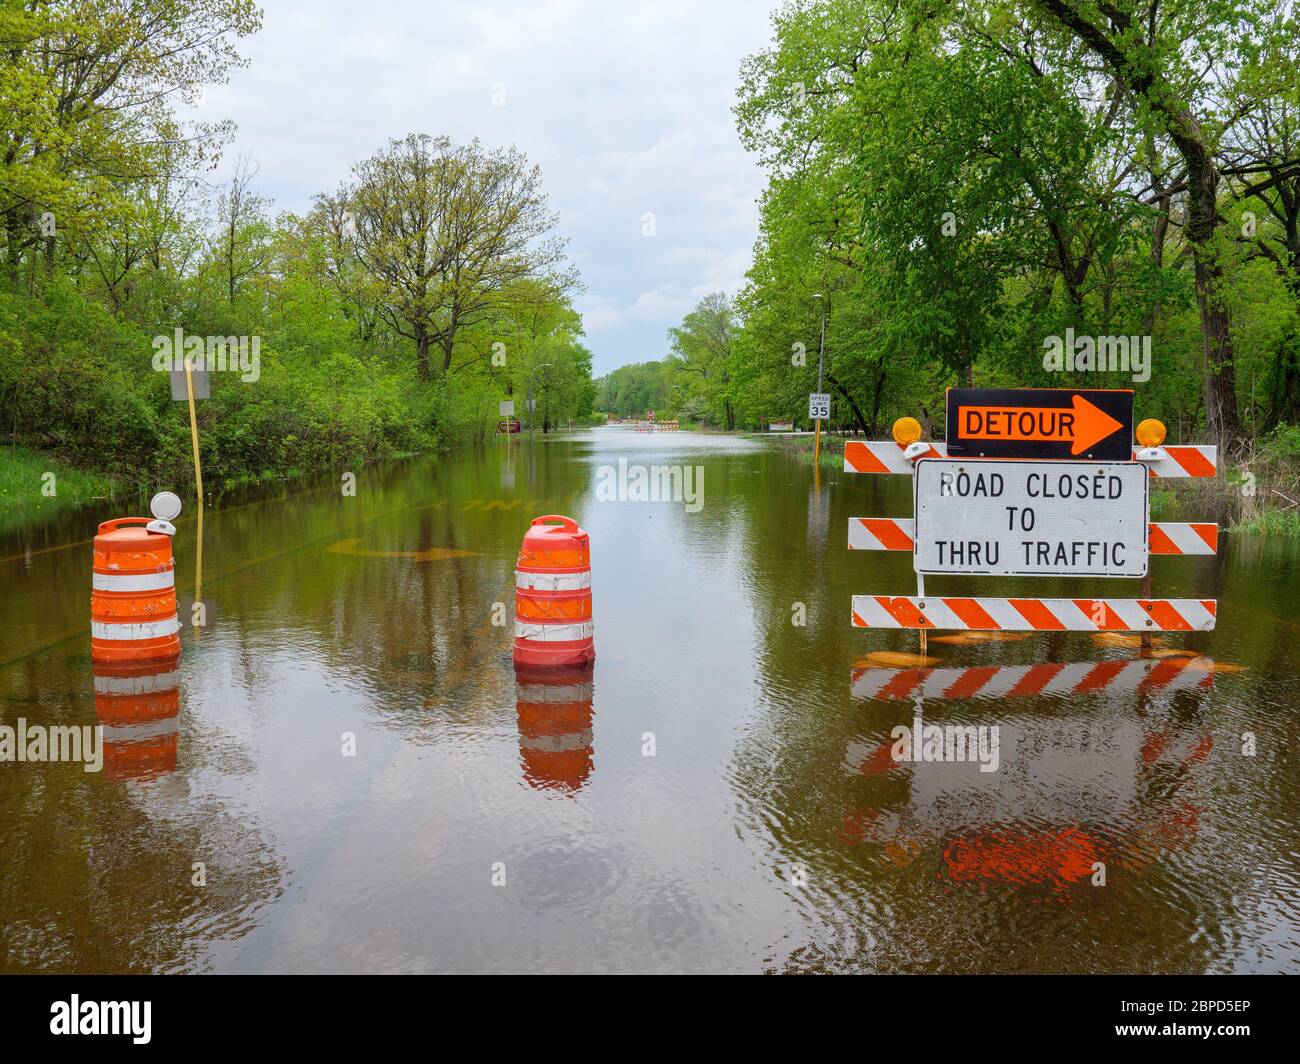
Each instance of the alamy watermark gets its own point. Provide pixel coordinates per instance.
(949, 742)
(59, 742)
(638, 483)
(102, 1017)
(220, 354)
(1099, 354)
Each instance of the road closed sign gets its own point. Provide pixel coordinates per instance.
(1071, 518)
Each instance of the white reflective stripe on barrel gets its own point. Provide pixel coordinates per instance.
(138, 685)
(133, 582)
(558, 744)
(134, 629)
(554, 633)
(135, 733)
(537, 692)
(552, 581)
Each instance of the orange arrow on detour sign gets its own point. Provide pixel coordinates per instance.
(1082, 426)
(1040, 423)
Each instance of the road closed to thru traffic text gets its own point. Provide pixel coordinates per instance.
(1071, 518)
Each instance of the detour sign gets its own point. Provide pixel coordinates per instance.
(1040, 423)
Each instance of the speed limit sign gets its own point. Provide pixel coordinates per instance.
(819, 405)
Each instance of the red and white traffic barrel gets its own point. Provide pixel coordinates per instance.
(553, 624)
(133, 593)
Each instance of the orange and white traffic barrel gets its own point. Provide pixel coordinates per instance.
(139, 710)
(553, 623)
(555, 718)
(133, 593)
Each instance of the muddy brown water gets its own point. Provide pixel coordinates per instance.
(717, 796)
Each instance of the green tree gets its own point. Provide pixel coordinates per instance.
(1189, 71)
(703, 346)
(85, 103)
(446, 234)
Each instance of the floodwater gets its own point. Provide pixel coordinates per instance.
(344, 772)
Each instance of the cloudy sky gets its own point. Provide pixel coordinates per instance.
(625, 106)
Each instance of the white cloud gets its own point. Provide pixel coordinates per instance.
(665, 305)
(626, 108)
(599, 315)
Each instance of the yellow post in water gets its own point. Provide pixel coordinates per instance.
(907, 430)
(821, 365)
(198, 488)
(1150, 433)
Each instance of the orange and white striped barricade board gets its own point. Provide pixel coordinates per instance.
(1045, 679)
(886, 456)
(1034, 614)
(1163, 537)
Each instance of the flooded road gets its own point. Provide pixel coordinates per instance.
(345, 773)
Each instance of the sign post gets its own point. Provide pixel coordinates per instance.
(506, 410)
(193, 378)
(819, 401)
(819, 406)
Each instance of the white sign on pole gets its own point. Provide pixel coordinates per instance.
(198, 378)
(819, 406)
(1029, 518)
(507, 408)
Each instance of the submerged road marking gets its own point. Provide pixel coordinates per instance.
(433, 554)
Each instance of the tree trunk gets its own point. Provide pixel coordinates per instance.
(857, 410)
(964, 378)
(1221, 414)
(13, 247)
(1159, 234)
(422, 351)
(1219, 366)
(876, 397)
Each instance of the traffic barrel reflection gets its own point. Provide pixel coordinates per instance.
(555, 725)
(139, 710)
(553, 624)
